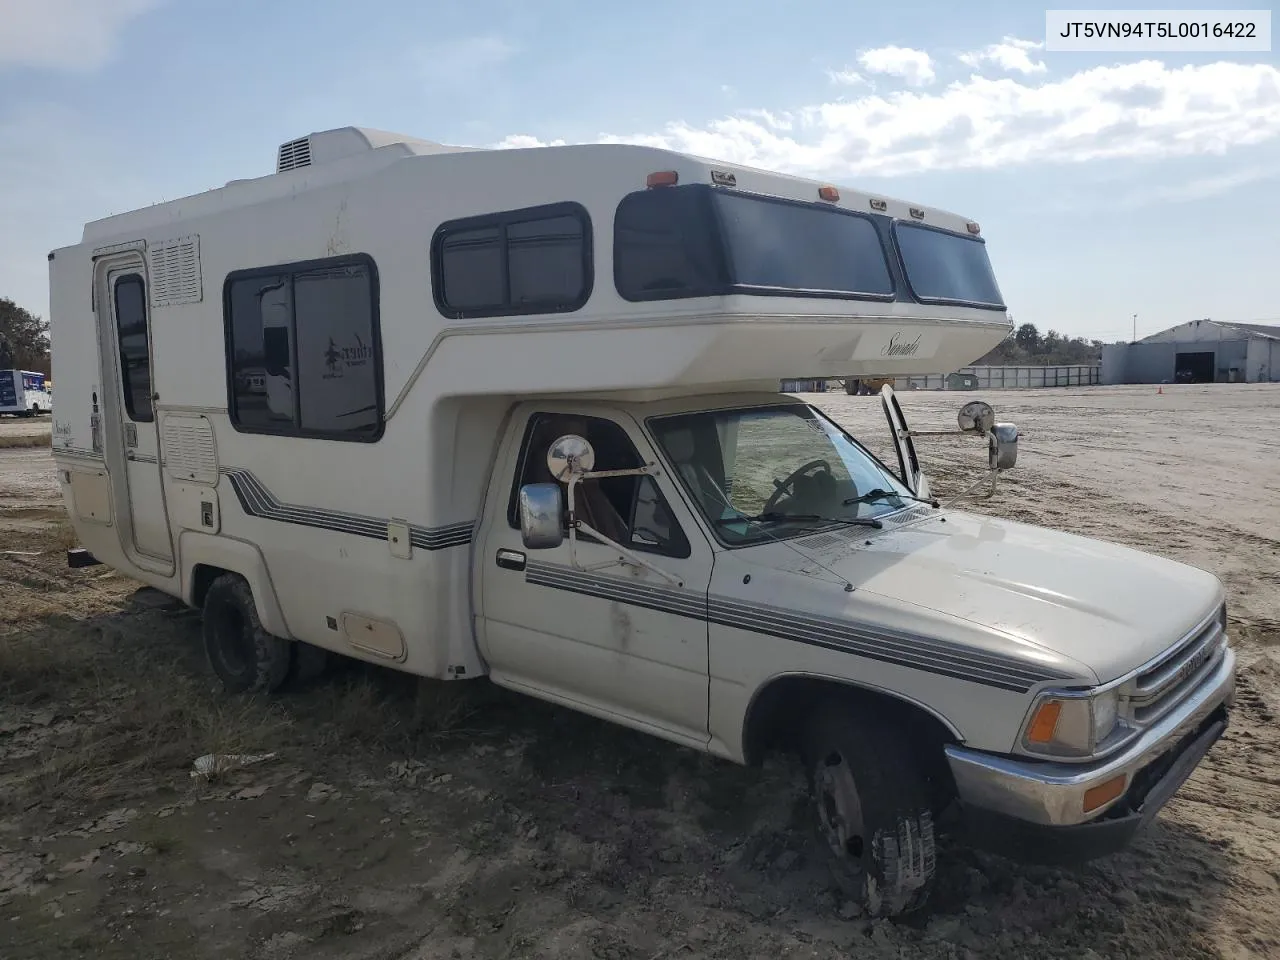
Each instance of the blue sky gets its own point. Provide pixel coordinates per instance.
(1106, 184)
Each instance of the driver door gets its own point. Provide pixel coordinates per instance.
(618, 641)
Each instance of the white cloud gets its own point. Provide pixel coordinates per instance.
(78, 35)
(1010, 54)
(913, 66)
(846, 78)
(1144, 110)
(522, 141)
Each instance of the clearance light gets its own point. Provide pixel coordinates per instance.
(1104, 792)
(974, 228)
(879, 205)
(830, 194)
(1045, 722)
(663, 178)
(917, 213)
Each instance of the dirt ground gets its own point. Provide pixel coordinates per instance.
(401, 820)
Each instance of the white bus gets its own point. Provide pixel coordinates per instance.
(25, 393)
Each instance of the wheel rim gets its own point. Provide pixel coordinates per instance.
(232, 648)
(840, 809)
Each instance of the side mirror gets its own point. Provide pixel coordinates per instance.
(569, 455)
(1003, 446)
(977, 417)
(541, 516)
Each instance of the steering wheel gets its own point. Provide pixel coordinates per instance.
(780, 487)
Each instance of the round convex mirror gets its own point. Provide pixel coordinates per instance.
(569, 455)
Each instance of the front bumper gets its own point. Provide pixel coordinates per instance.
(1038, 808)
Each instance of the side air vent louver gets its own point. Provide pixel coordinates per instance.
(175, 271)
(294, 154)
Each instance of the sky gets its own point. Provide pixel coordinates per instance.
(1107, 184)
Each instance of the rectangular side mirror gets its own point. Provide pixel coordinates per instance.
(1003, 446)
(541, 516)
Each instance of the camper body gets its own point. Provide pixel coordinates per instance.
(25, 393)
(515, 414)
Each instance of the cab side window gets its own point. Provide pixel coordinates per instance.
(628, 510)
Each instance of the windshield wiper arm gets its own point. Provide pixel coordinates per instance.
(774, 516)
(879, 493)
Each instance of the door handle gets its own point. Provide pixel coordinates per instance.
(511, 559)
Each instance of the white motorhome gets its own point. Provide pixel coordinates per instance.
(24, 393)
(515, 414)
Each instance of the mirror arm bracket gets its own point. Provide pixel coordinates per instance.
(626, 555)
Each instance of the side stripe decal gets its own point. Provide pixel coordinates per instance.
(874, 643)
(257, 501)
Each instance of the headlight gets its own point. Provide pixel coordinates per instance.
(1066, 726)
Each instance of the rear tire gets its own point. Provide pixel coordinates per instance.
(245, 657)
(872, 805)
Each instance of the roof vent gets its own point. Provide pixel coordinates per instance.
(294, 154)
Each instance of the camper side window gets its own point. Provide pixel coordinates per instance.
(628, 510)
(536, 260)
(304, 355)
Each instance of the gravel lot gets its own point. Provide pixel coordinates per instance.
(400, 820)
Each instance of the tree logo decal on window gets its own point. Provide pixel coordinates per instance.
(337, 359)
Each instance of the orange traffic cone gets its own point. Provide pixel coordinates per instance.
(1159, 389)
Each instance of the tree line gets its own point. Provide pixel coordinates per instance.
(1027, 346)
(24, 339)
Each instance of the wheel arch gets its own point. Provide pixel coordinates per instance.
(205, 557)
(780, 702)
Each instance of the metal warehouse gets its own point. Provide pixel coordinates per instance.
(1202, 351)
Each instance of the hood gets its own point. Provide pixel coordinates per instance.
(1099, 610)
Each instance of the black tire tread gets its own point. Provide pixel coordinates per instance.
(895, 798)
(272, 654)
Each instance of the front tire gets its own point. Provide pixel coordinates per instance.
(245, 657)
(873, 808)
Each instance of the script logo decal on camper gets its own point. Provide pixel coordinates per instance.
(900, 347)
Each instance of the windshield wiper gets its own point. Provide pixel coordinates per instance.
(774, 516)
(879, 493)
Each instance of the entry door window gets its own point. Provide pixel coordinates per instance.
(135, 347)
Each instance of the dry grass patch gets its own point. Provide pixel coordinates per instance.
(14, 441)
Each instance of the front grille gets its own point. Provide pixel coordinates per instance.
(1166, 682)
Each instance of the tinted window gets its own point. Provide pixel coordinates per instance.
(260, 309)
(545, 261)
(942, 266)
(304, 351)
(520, 261)
(135, 352)
(337, 376)
(628, 510)
(471, 275)
(664, 245)
(793, 246)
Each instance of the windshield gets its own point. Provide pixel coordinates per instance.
(769, 472)
(945, 267)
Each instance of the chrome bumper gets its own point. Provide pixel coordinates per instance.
(1052, 794)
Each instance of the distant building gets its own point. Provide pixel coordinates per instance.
(1202, 351)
